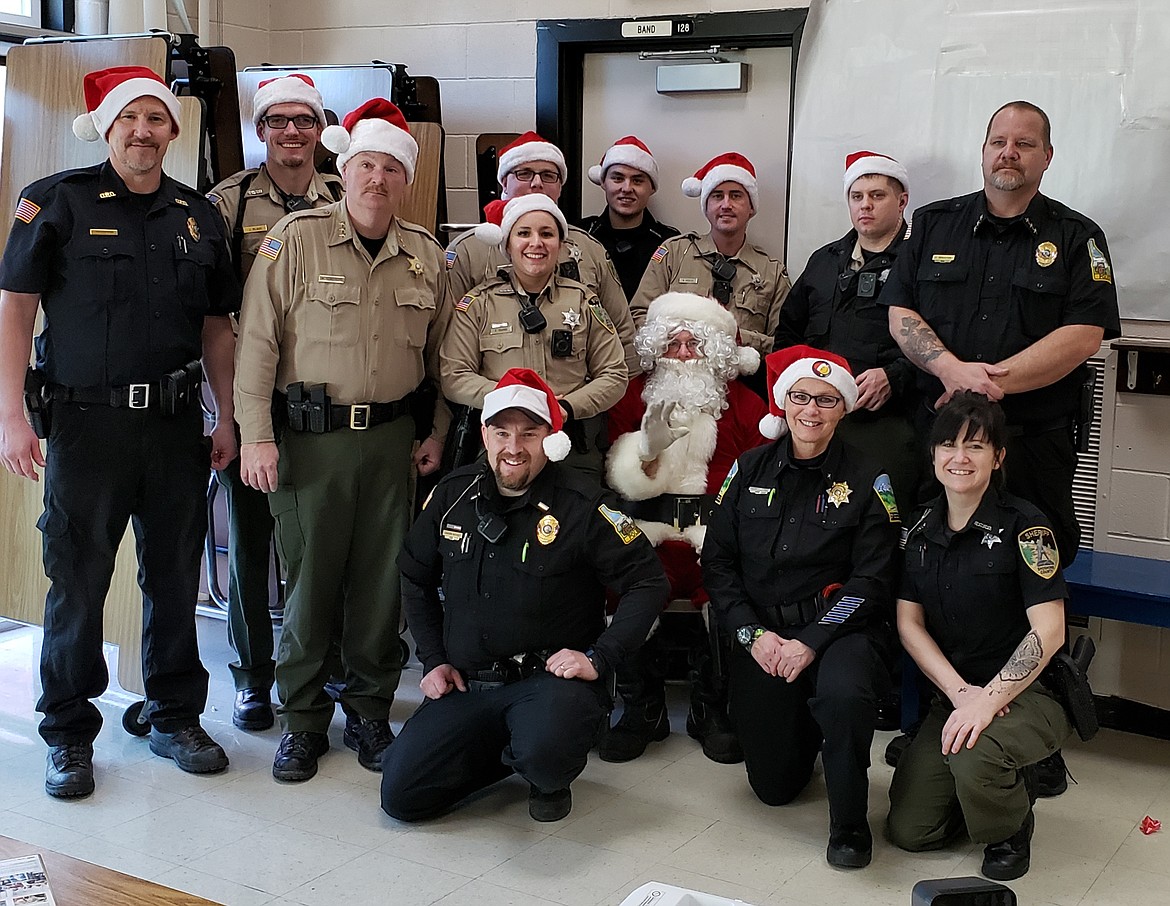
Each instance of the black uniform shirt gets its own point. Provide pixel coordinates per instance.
(975, 585)
(124, 289)
(541, 587)
(989, 291)
(630, 250)
(780, 533)
(824, 310)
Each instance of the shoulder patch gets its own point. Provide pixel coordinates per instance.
(602, 316)
(659, 253)
(885, 492)
(464, 303)
(451, 256)
(1099, 264)
(26, 210)
(622, 524)
(727, 482)
(214, 198)
(270, 248)
(1038, 549)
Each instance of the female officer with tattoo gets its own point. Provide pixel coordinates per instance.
(981, 611)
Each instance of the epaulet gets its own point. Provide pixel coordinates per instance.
(916, 528)
(759, 250)
(462, 237)
(945, 205)
(77, 175)
(232, 181)
(333, 179)
(663, 231)
(419, 230)
(580, 237)
(1059, 211)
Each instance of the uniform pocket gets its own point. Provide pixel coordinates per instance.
(1040, 298)
(107, 265)
(417, 308)
(334, 313)
(290, 539)
(193, 264)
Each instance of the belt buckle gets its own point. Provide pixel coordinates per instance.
(359, 416)
(687, 509)
(138, 396)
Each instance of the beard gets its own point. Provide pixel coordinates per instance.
(1007, 179)
(691, 384)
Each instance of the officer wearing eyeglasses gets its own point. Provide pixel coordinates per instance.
(289, 115)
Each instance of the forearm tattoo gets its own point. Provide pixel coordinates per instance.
(919, 342)
(1024, 660)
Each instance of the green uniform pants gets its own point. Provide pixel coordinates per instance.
(932, 796)
(342, 510)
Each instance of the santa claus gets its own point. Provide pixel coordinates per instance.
(675, 435)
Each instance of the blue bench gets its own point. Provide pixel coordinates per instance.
(1119, 587)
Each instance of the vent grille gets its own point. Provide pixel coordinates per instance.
(1084, 489)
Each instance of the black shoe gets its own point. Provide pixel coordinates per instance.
(191, 748)
(549, 806)
(897, 747)
(1012, 858)
(707, 722)
(1051, 776)
(297, 754)
(69, 771)
(889, 712)
(369, 738)
(850, 846)
(253, 710)
(641, 724)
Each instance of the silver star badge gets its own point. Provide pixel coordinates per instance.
(572, 318)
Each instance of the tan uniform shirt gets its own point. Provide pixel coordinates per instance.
(317, 309)
(757, 292)
(470, 262)
(264, 208)
(485, 339)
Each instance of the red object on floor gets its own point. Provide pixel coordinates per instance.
(1150, 825)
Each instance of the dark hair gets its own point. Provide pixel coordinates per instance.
(980, 416)
(1046, 130)
(895, 185)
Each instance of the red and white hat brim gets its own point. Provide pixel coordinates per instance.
(876, 165)
(528, 153)
(287, 90)
(372, 135)
(721, 173)
(837, 377)
(627, 156)
(92, 126)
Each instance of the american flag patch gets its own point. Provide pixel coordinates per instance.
(213, 198)
(451, 255)
(464, 303)
(659, 254)
(270, 248)
(26, 210)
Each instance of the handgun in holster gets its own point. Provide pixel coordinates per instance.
(575, 428)
(37, 402)
(178, 389)
(319, 407)
(1084, 419)
(421, 405)
(295, 406)
(464, 442)
(1067, 678)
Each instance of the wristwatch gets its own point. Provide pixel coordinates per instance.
(747, 635)
(596, 662)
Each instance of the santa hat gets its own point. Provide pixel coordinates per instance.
(787, 366)
(377, 125)
(629, 152)
(867, 163)
(729, 167)
(107, 91)
(523, 388)
(527, 149)
(289, 89)
(502, 216)
(671, 309)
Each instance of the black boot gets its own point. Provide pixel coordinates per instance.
(1011, 858)
(707, 720)
(643, 719)
(1051, 776)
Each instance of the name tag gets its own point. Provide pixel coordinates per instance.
(500, 328)
(452, 535)
(330, 278)
(258, 228)
(942, 259)
(103, 232)
(688, 279)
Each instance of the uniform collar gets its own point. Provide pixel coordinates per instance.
(539, 493)
(829, 465)
(1036, 215)
(111, 186)
(745, 256)
(605, 225)
(988, 517)
(514, 283)
(343, 231)
(263, 181)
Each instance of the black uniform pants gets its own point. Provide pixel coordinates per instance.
(541, 727)
(832, 707)
(106, 467)
(1040, 468)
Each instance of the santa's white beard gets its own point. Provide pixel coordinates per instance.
(690, 384)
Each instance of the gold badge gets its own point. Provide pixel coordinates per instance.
(942, 259)
(839, 493)
(193, 228)
(1045, 254)
(1099, 264)
(1038, 549)
(416, 267)
(546, 529)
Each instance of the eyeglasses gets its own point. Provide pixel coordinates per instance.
(800, 398)
(548, 177)
(302, 121)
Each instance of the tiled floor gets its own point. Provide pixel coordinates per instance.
(242, 839)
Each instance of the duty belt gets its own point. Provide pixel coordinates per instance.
(361, 416)
(511, 669)
(793, 613)
(679, 510)
(174, 393)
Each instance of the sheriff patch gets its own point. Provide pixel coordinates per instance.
(885, 493)
(622, 524)
(26, 210)
(1038, 549)
(1099, 264)
(602, 316)
(727, 482)
(270, 248)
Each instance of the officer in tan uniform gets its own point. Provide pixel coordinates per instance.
(531, 165)
(744, 278)
(289, 115)
(343, 315)
(528, 316)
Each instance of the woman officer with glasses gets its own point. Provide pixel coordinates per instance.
(799, 565)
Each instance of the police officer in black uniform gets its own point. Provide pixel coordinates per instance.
(136, 284)
(799, 564)
(516, 653)
(834, 306)
(628, 174)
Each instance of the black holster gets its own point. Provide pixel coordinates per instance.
(1084, 418)
(37, 402)
(421, 404)
(180, 388)
(1066, 677)
(464, 441)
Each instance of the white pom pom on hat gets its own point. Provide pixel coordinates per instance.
(523, 388)
(501, 216)
(629, 151)
(108, 91)
(728, 167)
(377, 125)
(787, 366)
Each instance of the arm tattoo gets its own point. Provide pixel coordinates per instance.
(1024, 660)
(920, 343)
